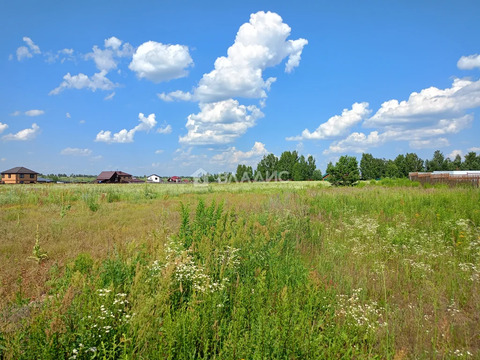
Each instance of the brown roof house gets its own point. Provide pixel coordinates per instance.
(109, 177)
(19, 175)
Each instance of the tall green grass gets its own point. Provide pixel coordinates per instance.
(310, 273)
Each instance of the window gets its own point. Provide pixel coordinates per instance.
(9, 176)
(22, 176)
(21, 182)
(32, 176)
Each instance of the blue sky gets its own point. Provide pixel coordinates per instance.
(168, 87)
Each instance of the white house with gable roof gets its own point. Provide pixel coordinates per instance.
(154, 178)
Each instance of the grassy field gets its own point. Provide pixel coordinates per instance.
(240, 271)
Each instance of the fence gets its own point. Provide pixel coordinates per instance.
(449, 179)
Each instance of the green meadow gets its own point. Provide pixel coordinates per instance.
(292, 270)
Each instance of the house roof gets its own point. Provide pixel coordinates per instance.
(154, 175)
(105, 175)
(41, 179)
(19, 170)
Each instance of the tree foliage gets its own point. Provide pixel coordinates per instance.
(345, 172)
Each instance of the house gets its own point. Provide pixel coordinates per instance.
(113, 177)
(19, 175)
(154, 178)
(175, 179)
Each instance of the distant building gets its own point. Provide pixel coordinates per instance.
(112, 177)
(154, 178)
(19, 175)
(451, 178)
(43, 180)
(175, 179)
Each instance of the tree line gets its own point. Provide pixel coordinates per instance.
(346, 171)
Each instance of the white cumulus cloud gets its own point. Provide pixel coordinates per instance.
(3, 127)
(81, 81)
(261, 43)
(356, 142)
(165, 130)
(337, 125)
(34, 112)
(106, 59)
(126, 136)
(220, 122)
(176, 95)
(233, 157)
(429, 105)
(454, 154)
(76, 151)
(469, 62)
(430, 136)
(23, 135)
(159, 62)
(27, 51)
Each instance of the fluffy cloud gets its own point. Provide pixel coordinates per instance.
(62, 55)
(454, 153)
(469, 62)
(27, 51)
(76, 151)
(357, 142)
(159, 151)
(159, 62)
(106, 59)
(476, 149)
(337, 125)
(424, 120)
(220, 122)
(261, 43)
(81, 81)
(422, 137)
(34, 112)
(126, 136)
(429, 105)
(164, 130)
(176, 95)
(23, 135)
(3, 127)
(233, 156)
